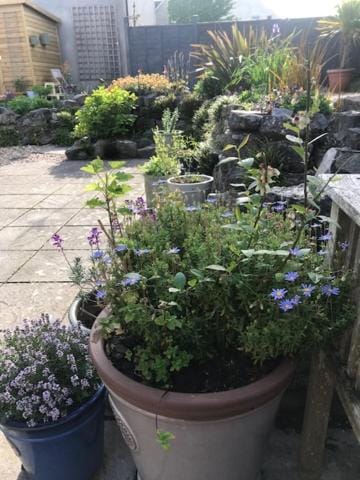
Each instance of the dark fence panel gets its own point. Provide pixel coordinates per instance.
(150, 47)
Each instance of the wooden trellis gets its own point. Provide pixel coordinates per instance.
(339, 370)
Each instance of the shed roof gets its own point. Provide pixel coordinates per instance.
(31, 5)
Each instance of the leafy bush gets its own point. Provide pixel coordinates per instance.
(23, 105)
(9, 137)
(297, 102)
(143, 83)
(208, 86)
(206, 158)
(164, 102)
(107, 113)
(165, 162)
(41, 90)
(200, 119)
(188, 105)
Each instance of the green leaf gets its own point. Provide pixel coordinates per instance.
(180, 280)
(124, 211)
(217, 268)
(294, 139)
(248, 253)
(247, 163)
(299, 209)
(244, 142)
(123, 177)
(174, 290)
(299, 150)
(117, 164)
(198, 273)
(291, 127)
(315, 277)
(92, 187)
(95, 166)
(228, 147)
(164, 439)
(95, 203)
(192, 282)
(279, 277)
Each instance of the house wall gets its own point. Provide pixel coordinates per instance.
(43, 58)
(15, 55)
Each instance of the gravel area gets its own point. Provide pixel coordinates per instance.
(31, 153)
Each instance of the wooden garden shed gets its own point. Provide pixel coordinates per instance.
(29, 44)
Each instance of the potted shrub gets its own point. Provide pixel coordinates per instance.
(346, 27)
(51, 401)
(208, 309)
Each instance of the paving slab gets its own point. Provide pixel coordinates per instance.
(48, 266)
(65, 201)
(89, 217)
(38, 217)
(10, 262)
(20, 201)
(75, 238)
(28, 189)
(24, 238)
(8, 215)
(29, 300)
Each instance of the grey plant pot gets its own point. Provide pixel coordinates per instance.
(193, 193)
(217, 435)
(152, 188)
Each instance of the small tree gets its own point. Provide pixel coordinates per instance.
(182, 11)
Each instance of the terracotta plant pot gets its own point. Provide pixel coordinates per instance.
(217, 435)
(340, 79)
(194, 193)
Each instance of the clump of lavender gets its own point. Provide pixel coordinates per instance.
(45, 372)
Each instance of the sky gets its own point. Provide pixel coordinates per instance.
(301, 8)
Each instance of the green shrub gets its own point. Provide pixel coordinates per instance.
(188, 105)
(9, 137)
(63, 137)
(200, 120)
(163, 102)
(206, 158)
(41, 90)
(297, 103)
(107, 113)
(208, 86)
(23, 105)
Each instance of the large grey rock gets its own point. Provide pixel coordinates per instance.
(80, 99)
(327, 162)
(81, 150)
(7, 117)
(340, 124)
(319, 124)
(273, 127)
(39, 117)
(284, 113)
(68, 103)
(242, 120)
(352, 140)
(340, 160)
(146, 152)
(348, 102)
(106, 149)
(228, 172)
(295, 195)
(126, 148)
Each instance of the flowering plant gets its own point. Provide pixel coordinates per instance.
(45, 372)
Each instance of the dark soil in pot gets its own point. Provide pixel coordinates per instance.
(189, 179)
(88, 311)
(230, 371)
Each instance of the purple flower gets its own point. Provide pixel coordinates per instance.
(295, 300)
(94, 236)
(344, 246)
(286, 305)
(278, 293)
(211, 200)
(227, 214)
(139, 252)
(329, 290)
(121, 248)
(57, 241)
(323, 252)
(291, 276)
(279, 206)
(307, 290)
(173, 251)
(296, 251)
(131, 279)
(100, 294)
(326, 237)
(97, 254)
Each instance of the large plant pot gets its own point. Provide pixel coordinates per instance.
(217, 436)
(193, 193)
(70, 449)
(340, 79)
(153, 185)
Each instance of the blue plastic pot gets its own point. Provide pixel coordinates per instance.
(71, 449)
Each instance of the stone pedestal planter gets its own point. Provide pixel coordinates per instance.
(217, 435)
(194, 193)
(71, 448)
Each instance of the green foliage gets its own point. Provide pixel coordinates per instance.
(107, 113)
(23, 105)
(297, 102)
(64, 132)
(200, 119)
(20, 85)
(9, 137)
(169, 120)
(165, 162)
(182, 11)
(41, 90)
(164, 439)
(164, 102)
(188, 105)
(206, 159)
(208, 86)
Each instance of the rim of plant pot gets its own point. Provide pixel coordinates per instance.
(336, 70)
(188, 406)
(207, 179)
(74, 311)
(14, 425)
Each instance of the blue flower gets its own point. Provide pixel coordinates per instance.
(329, 290)
(295, 300)
(192, 208)
(291, 276)
(344, 246)
(307, 290)
(100, 294)
(174, 251)
(227, 214)
(286, 305)
(121, 248)
(278, 293)
(323, 252)
(211, 200)
(139, 252)
(296, 251)
(279, 206)
(131, 279)
(97, 254)
(326, 237)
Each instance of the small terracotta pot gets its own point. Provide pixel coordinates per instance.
(340, 79)
(216, 435)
